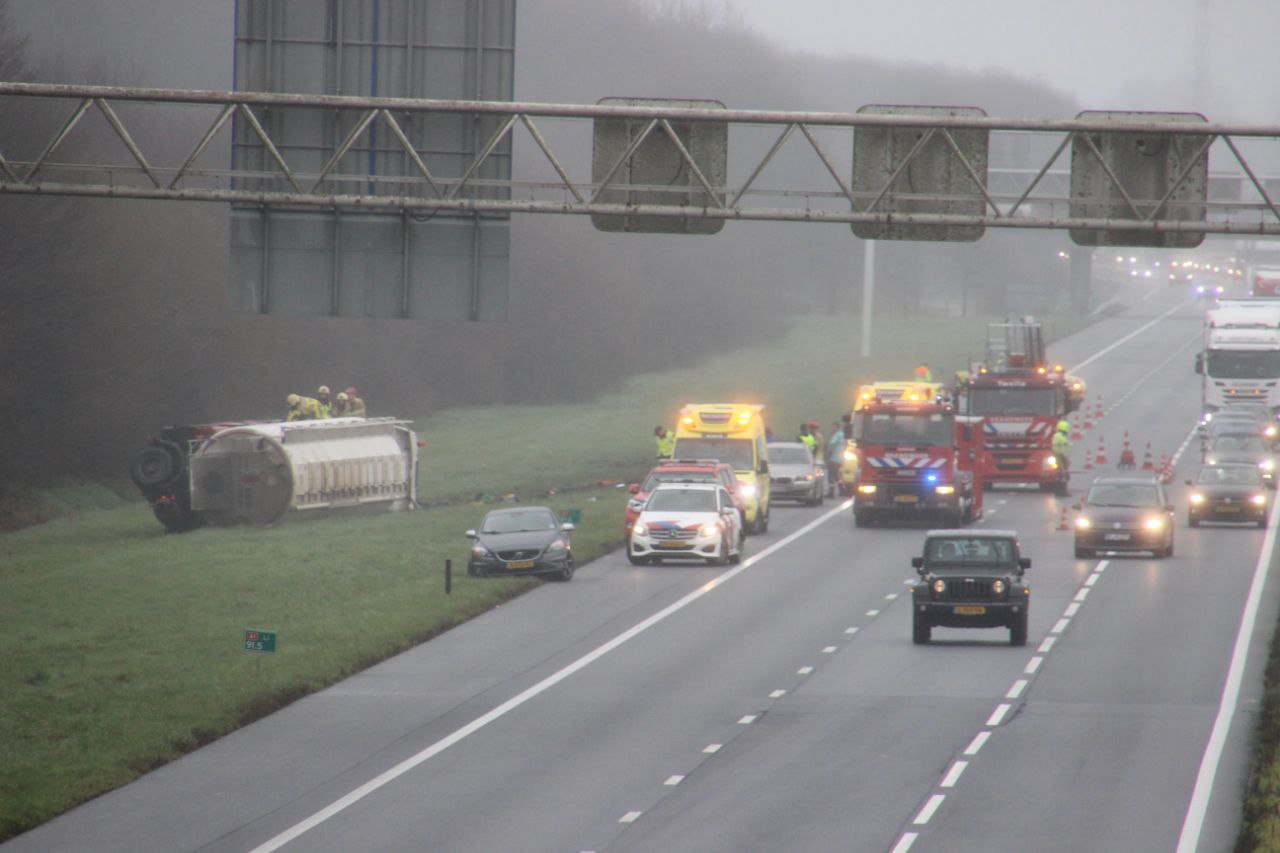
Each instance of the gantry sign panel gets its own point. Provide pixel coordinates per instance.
(1140, 176)
(1135, 179)
(680, 163)
(920, 170)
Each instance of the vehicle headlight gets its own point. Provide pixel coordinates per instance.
(1259, 499)
(939, 586)
(1155, 522)
(1267, 465)
(479, 551)
(1051, 461)
(997, 586)
(559, 546)
(1197, 498)
(849, 456)
(944, 490)
(1270, 432)
(711, 528)
(1211, 461)
(808, 477)
(748, 490)
(1083, 522)
(640, 529)
(867, 489)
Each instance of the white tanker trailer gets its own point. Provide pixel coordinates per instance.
(260, 473)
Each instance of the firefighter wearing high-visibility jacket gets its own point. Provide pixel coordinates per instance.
(666, 441)
(303, 408)
(1061, 445)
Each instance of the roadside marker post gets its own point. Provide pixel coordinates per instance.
(260, 643)
(448, 577)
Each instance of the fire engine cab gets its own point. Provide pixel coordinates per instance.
(915, 461)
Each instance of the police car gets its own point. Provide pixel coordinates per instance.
(687, 520)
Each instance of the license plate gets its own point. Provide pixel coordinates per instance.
(906, 499)
(669, 545)
(969, 610)
(1228, 508)
(520, 564)
(1116, 537)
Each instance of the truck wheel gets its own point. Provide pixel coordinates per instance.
(1083, 553)
(1192, 521)
(156, 465)
(1061, 489)
(921, 630)
(861, 519)
(1018, 631)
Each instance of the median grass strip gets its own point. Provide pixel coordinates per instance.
(122, 644)
(1260, 823)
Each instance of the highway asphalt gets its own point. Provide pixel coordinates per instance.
(781, 705)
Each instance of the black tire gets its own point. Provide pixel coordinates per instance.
(1083, 553)
(1168, 550)
(635, 559)
(566, 574)
(1262, 522)
(822, 497)
(1192, 521)
(723, 557)
(1018, 631)
(156, 465)
(861, 519)
(921, 630)
(764, 521)
(1061, 489)
(736, 557)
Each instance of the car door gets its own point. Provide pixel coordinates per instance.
(734, 516)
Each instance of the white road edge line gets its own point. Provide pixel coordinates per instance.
(1100, 353)
(1189, 838)
(398, 770)
(926, 813)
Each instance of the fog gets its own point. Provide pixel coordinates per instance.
(114, 318)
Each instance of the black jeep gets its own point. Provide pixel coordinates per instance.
(970, 579)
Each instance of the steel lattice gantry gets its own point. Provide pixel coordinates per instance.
(163, 144)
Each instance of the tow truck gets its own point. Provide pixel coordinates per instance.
(733, 433)
(917, 460)
(1014, 402)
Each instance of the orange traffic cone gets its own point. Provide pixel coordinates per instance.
(1097, 415)
(1100, 458)
(1166, 469)
(1062, 520)
(1088, 460)
(1076, 435)
(1146, 459)
(1127, 460)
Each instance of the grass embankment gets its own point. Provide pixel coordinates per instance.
(122, 644)
(1260, 823)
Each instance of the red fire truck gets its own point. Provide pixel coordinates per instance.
(1014, 402)
(915, 461)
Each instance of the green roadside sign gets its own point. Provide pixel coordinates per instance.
(256, 640)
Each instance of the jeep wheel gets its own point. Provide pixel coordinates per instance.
(921, 630)
(1083, 553)
(1018, 631)
(1192, 521)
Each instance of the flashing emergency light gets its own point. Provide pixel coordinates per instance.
(687, 420)
(931, 477)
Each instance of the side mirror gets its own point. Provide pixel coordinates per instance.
(1199, 362)
(567, 526)
(764, 467)
(967, 432)
(471, 534)
(917, 563)
(1024, 563)
(634, 488)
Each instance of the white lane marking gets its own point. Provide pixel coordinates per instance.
(1072, 610)
(953, 775)
(851, 630)
(1203, 791)
(1102, 566)
(1137, 386)
(1100, 353)
(1060, 626)
(712, 748)
(804, 670)
(398, 770)
(905, 842)
(672, 781)
(629, 817)
(747, 720)
(1083, 593)
(997, 716)
(891, 596)
(930, 807)
(1016, 690)
(908, 581)
(1032, 665)
(1092, 579)
(777, 694)
(829, 650)
(1047, 645)
(979, 740)
(873, 612)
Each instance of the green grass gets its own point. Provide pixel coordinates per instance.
(1260, 823)
(121, 643)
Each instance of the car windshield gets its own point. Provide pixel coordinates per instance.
(1242, 475)
(675, 477)
(886, 428)
(1123, 494)
(736, 451)
(523, 521)
(1239, 444)
(968, 549)
(1243, 364)
(780, 455)
(682, 500)
(1013, 401)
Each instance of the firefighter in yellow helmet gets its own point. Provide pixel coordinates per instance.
(341, 407)
(325, 399)
(302, 408)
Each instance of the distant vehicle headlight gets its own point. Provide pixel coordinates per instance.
(867, 489)
(939, 586)
(1259, 499)
(945, 490)
(997, 586)
(640, 529)
(807, 477)
(1197, 498)
(1083, 522)
(1267, 465)
(1210, 461)
(1269, 432)
(748, 490)
(1155, 522)
(711, 528)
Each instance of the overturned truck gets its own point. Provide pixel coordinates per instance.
(259, 473)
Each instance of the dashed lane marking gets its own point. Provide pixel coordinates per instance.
(804, 670)
(1072, 609)
(712, 748)
(829, 650)
(851, 630)
(1016, 690)
(926, 813)
(953, 775)
(997, 716)
(1047, 645)
(1092, 579)
(979, 740)
(905, 842)
(672, 781)
(1084, 593)
(777, 694)
(1060, 626)
(1033, 665)
(873, 612)
(747, 720)
(629, 817)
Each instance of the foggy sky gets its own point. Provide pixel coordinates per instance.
(1219, 57)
